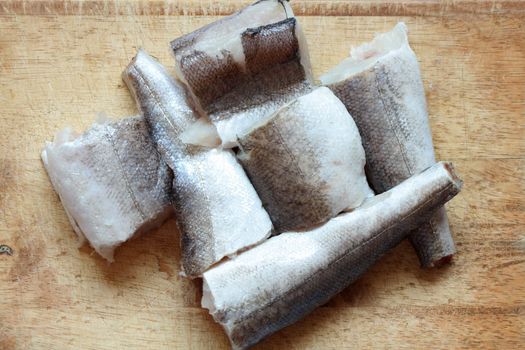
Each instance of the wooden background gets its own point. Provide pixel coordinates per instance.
(60, 64)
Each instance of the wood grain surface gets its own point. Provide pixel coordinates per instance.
(60, 65)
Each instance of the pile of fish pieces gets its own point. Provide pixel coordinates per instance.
(270, 177)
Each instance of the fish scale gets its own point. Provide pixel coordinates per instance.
(306, 161)
(165, 101)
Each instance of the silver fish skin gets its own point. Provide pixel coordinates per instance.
(306, 161)
(111, 181)
(285, 278)
(217, 208)
(242, 68)
(162, 100)
(380, 84)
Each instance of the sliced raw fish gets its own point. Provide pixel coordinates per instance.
(111, 181)
(283, 279)
(380, 85)
(306, 161)
(217, 208)
(245, 66)
(163, 102)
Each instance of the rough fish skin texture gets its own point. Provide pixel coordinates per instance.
(262, 64)
(306, 161)
(217, 208)
(381, 87)
(282, 280)
(111, 181)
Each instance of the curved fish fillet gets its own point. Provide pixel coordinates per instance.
(380, 85)
(280, 281)
(217, 208)
(306, 161)
(111, 181)
(245, 66)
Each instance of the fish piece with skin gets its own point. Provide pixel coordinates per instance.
(245, 66)
(306, 161)
(283, 279)
(217, 208)
(111, 181)
(163, 102)
(380, 85)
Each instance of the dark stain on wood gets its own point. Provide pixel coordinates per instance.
(30, 252)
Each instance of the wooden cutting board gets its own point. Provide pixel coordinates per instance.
(60, 65)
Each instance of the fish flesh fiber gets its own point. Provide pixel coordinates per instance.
(380, 85)
(283, 279)
(111, 182)
(217, 208)
(306, 161)
(245, 66)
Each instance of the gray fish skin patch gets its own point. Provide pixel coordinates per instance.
(235, 94)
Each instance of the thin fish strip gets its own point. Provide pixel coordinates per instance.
(380, 85)
(111, 182)
(282, 280)
(217, 208)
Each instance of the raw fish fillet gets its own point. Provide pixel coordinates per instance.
(380, 85)
(111, 181)
(217, 208)
(245, 66)
(283, 279)
(306, 161)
